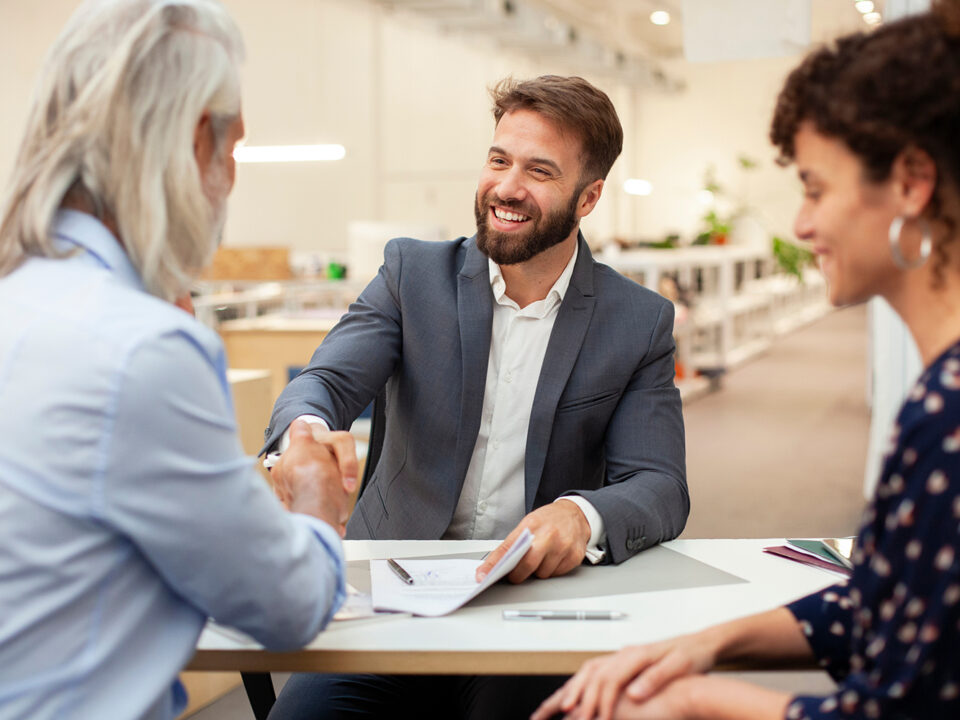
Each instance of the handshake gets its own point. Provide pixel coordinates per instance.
(317, 474)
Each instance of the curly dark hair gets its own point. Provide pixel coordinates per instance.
(882, 92)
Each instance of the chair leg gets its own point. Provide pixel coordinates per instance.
(260, 693)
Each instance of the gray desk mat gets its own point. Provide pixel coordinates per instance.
(655, 569)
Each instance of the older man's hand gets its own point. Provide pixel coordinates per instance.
(561, 533)
(317, 473)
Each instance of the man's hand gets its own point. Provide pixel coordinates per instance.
(317, 473)
(561, 533)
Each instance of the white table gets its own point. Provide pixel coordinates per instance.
(476, 640)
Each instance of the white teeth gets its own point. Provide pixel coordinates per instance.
(512, 217)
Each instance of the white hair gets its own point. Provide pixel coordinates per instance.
(112, 124)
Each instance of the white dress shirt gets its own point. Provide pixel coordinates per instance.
(492, 499)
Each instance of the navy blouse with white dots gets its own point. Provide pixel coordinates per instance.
(890, 636)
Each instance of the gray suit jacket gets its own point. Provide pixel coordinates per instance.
(606, 421)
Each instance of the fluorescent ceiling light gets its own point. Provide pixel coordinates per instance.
(636, 186)
(864, 6)
(872, 18)
(288, 153)
(660, 17)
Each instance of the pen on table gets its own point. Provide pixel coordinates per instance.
(399, 571)
(563, 615)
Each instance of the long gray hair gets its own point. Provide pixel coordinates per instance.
(112, 123)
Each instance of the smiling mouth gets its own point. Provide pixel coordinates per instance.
(509, 216)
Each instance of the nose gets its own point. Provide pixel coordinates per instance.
(803, 224)
(511, 187)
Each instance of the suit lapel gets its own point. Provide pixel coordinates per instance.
(475, 310)
(563, 348)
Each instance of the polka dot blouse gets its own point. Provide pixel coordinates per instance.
(890, 635)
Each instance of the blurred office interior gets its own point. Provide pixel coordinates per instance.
(370, 119)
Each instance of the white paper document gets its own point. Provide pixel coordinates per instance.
(440, 585)
(356, 606)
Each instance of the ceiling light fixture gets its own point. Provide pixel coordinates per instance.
(864, 6)
(660, 17)
(872, 18)
(636, 186)
(288, 153)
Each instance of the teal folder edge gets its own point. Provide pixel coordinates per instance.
(816, 547)
(824, 549)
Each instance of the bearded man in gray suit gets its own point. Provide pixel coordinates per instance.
(527, 386)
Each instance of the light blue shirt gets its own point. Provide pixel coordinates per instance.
(128, 511)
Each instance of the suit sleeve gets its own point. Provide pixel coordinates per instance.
(645, 500)
(354, 360)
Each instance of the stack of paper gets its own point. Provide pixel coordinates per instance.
(440, 585)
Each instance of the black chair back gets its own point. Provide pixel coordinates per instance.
(378, 421)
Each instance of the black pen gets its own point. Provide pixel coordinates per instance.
(399, 571)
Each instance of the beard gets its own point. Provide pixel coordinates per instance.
(517, 247)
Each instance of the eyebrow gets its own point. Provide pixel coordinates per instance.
(495, 150)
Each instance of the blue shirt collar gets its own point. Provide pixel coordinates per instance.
(72, 228)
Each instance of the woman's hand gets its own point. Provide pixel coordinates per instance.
(641, 670)
(674, 702)
(694, 697)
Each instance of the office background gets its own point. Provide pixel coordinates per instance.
(404, 92)
(781, 447)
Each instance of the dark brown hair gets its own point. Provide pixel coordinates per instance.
(882, 92)
(574, 106)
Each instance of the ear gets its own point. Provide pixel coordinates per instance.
(203, 143)
(589, 197)
(914, 176)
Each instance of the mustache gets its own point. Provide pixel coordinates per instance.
(513, 205)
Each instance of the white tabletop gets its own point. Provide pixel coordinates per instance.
(671, 594)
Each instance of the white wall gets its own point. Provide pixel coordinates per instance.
(724, 113)
(411, 107)
(307, 79)
(27, 29)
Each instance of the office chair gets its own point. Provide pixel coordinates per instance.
(259, 686)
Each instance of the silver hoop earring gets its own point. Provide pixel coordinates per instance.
(926, 243)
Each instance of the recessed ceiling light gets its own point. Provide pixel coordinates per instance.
(636, 186)
(288, 153)
(864, 6)
(660, 17)
(872, 18)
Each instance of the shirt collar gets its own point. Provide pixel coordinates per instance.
(72, 229)
(554, 296)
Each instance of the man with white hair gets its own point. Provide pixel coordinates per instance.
(128, 511)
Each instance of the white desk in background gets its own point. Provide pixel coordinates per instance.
(679, 587)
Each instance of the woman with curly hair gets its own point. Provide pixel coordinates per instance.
(873, 126)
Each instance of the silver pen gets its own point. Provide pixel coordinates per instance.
(399, 571)
(563, 615)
